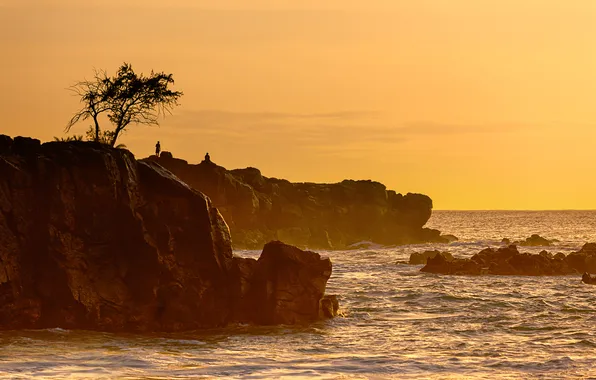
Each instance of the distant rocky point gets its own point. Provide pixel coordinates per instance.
(323, 216)
(509, 261)
(90, 238)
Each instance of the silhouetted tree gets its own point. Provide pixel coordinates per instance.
(94, 96)
(104, 137)
(139, 99)
(126, 98)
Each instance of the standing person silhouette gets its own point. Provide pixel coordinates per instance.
(157, 149)
(207, 158)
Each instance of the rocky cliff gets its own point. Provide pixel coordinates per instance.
(325, 216)
(92, 239)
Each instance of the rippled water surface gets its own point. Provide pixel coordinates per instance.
(397, 322)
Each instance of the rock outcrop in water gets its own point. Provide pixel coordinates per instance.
(535, 241)
(509, 261)
(584, 260)
(418, 258)
(92, 239)
(287, 286)
(587, 279)
(325, 216)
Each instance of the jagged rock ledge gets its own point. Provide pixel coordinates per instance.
(92, 239)
(321, 216)
(509, 261)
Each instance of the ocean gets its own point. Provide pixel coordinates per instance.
(397, 322)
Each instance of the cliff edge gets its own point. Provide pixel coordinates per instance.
(92, 239)
(323, 216)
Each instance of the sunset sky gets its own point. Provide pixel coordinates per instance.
(480, 104)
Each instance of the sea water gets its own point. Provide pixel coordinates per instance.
(397, 322)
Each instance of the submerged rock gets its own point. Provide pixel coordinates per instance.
(365, 245)
(92, 239)
(535, 241)
(418, 258)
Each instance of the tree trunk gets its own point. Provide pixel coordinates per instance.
(116, 133)
(96, 128)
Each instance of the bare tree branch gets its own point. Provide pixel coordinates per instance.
(126, 98)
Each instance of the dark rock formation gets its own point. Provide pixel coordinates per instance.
(559, 256)
(326, 216)
(535, 241)
(584, 260)
(329, 306)
(92, 239)
(587, 279)
(288, 285)
(501, 261)
(508, 261)
(418, 258)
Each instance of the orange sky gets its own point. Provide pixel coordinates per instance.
(479, 104)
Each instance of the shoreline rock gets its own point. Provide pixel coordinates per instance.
(287, 286)
(92, 239)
